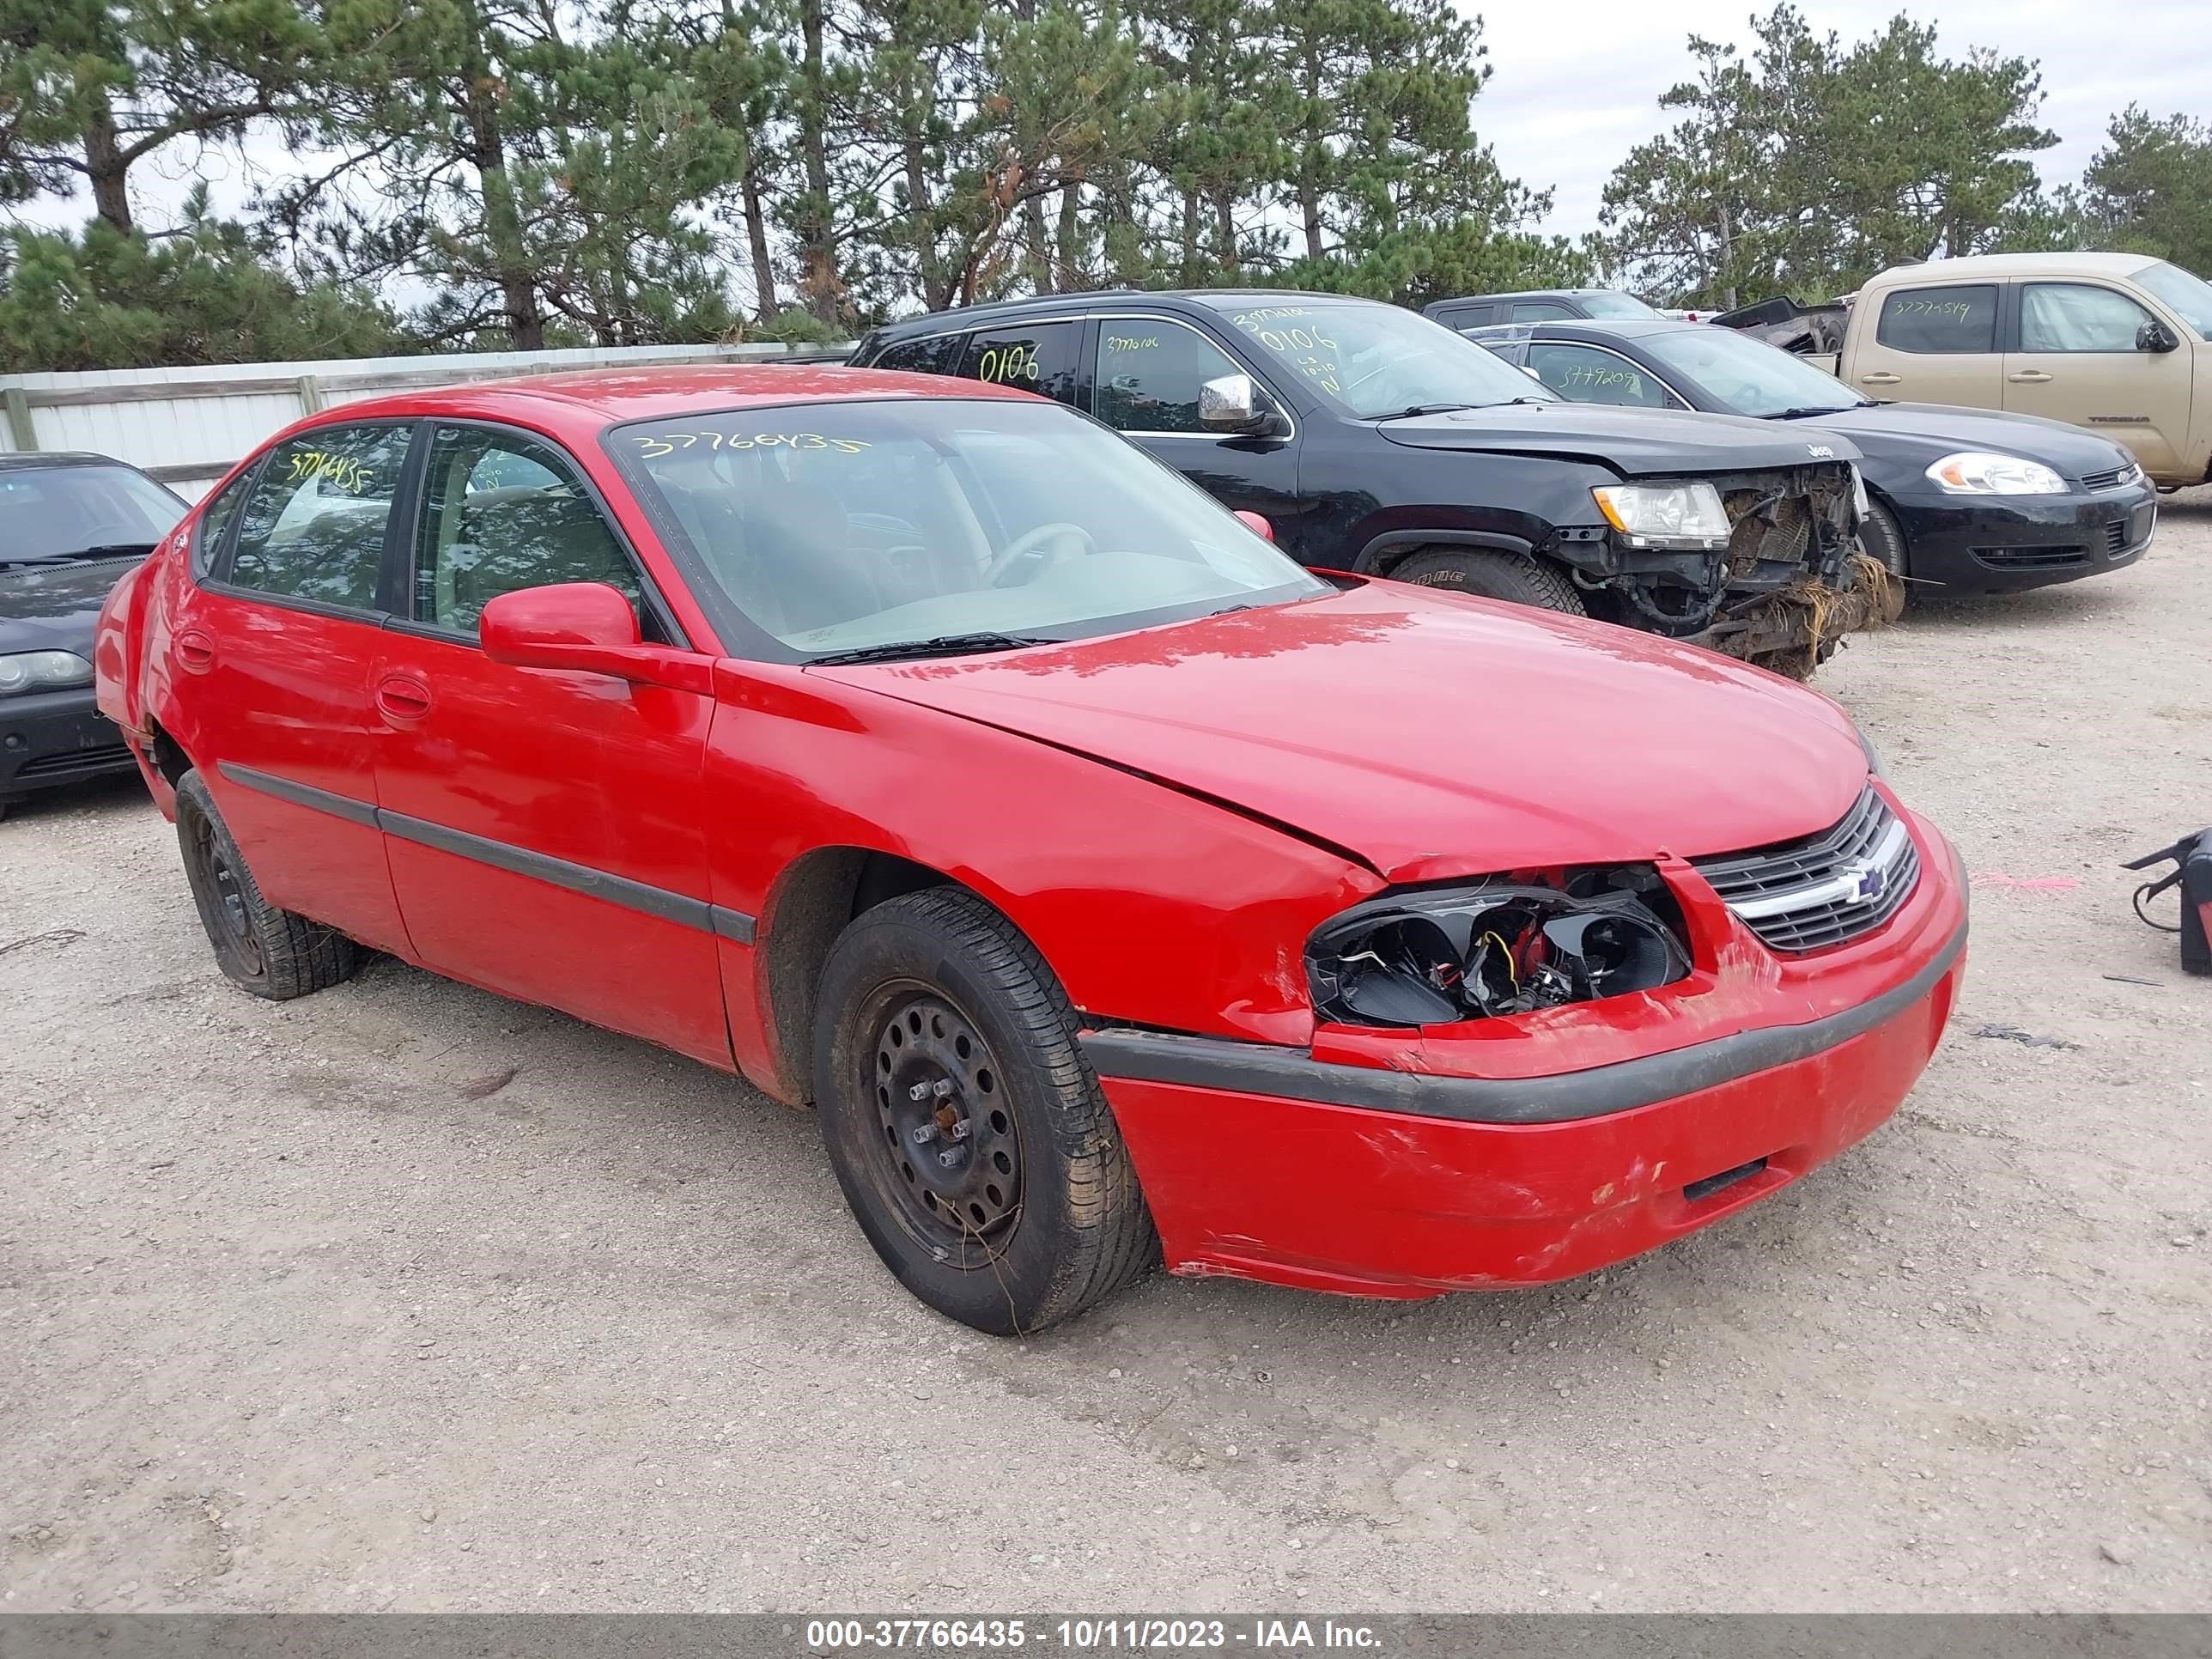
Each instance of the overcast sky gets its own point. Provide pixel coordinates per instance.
(1577, 81)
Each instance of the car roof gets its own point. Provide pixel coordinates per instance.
(591, 398)
(1522, 293)
(16, 459)
(961, 318)
(2019, 264)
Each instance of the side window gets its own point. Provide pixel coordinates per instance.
(1538, 311)
(502, 513)
(2076, 316)
(1590, 376)
(940, 355)
(1041, 358)
(1149, 374)
(1939, 319)
(214, 524)
(313, 525)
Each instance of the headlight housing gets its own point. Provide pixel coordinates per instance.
(42, 670)
(1862, 503)
(1978, 472)
(1873, 756)
(1678, 515)
(1437, 956)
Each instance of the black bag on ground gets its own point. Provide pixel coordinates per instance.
(2191, 857)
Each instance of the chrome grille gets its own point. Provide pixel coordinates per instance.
(2106, 480)
(1826, 889)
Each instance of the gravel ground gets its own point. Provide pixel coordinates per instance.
(298, 1312)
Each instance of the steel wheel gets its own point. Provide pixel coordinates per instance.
(952, 1150)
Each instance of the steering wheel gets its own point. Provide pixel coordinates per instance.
(1028, 543)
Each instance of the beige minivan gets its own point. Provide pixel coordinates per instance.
(2114, 342)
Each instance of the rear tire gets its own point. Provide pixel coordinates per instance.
(1514, 577)
(270, 952)
(943, 1034)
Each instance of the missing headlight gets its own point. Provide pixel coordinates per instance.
(1433, 957)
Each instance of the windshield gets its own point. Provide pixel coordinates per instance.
(1375, 360)
(49, 512)
(2189, 294)
(838, 526)
(1606, 303)
(1749, 376)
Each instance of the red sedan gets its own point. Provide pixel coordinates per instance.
(1110, 886)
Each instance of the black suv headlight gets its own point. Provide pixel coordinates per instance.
(1435, 956)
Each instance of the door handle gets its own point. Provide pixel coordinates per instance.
(402, 699)
(195, 651)
(1880, 377)
(2028, 377)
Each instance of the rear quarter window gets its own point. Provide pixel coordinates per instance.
(1939, 319)
(937, 355)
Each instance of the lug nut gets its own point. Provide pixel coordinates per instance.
(943, 1089)
(919, 1092)
(960, 1129)
(924, 1133)
(952, 1156)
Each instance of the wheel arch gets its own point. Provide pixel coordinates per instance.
(812, 901)
(1386, 552)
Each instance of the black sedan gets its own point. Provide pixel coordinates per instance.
(69, 525)
(1974, 502)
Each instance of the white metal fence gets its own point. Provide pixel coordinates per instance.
(189, 426)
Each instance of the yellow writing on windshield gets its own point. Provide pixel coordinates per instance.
(667, 443)
(1303, 344)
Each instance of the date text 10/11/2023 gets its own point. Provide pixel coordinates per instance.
(1253, 1635)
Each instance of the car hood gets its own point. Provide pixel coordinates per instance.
(1634, 442)
(1426, 734)
(52, 607)
(1941, 430)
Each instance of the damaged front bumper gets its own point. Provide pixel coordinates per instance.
(1782, 591)
(1443, 1162)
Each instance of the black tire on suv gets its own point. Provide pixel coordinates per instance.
(969, 1134)
(1514, 577)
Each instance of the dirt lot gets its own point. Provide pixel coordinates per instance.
(293, 1316)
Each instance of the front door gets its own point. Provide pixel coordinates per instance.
(273, 649)
(2078, 360)
(1936, 345)
(545, 827)
(1145, 384)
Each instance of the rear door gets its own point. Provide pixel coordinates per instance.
(1147, 373)
(1932, 344)
(545, 828)
(272, 649)
(2075, 358)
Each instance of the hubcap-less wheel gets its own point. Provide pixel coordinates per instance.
(952, 1150)
(230, 914)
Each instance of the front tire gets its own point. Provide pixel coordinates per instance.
(1884, 542)
(968, 1132)
(270, 952)
(1514, 577)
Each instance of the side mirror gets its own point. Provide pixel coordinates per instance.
(585, 628)
(2155, 336)
(1257, 524)
(1235, 403)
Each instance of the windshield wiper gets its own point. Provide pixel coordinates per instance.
(104, 551)
(1412, 409)
(943, 645)
(1808, 412)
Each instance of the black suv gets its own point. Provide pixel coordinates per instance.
(1377, 442)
